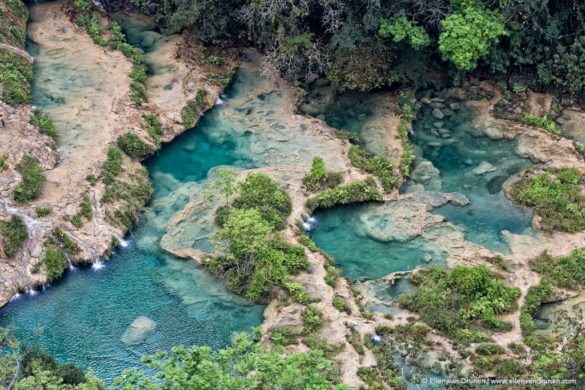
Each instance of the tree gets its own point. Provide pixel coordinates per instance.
(400, 28)
(224, 183)
(468, 34)
(243, 364)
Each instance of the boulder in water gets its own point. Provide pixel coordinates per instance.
(483, 168)
(138, 331)
(438, 114)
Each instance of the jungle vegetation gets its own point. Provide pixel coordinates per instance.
(366, 45)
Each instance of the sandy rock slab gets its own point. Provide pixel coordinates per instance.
(138, 331)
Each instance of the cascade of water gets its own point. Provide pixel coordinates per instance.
(69, 263)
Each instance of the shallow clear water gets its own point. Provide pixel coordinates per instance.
(456, 158)
(339, 232)
(82, 318)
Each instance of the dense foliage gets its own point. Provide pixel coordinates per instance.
(32, 176)
(556, 197)
(564, 272)
(354, 192)
(194, 108)
(254, 257)
(318, 178)
(24, 369)
(376, 165)
(134, 147)
(15, 71)
(45, 125)
(461, 302)
(13, 232)
(242, 365)
(365, 45)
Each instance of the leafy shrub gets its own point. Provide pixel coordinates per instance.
(332, 275)
(565, 272)
(312, 318)
(318, 178)
(92, 180)
(192, 111)
(376, 165)
(113, 165)
(459, 299)
(134, 147)
(340, 304)
(254, 260)
(542, 122)
(408, 151)
(14, 232)
(55, 261)
(283, 336)
(3, 163)
(43, 211)
(60, 239)
(15, 78)
(45, 124)
(358, 191)
(298, 292)
(556, 197)
(306, 241)
(32, 179)
(214, 60)
(489, 349)
(534, 298)
(258, 191)
(153, 128)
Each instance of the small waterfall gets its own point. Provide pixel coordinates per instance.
(70, 265)
(98, 264)
(219, 101)
(31, 292)
(15, 296)
(309, 224)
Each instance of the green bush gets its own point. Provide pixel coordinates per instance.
(460, 299)
(298, 292)
(488, 349)
(113, 165)
(45, 124)
(332, 275)
(534, 298)
(408, 151)
(3, 163)
(15, 78)
(134, 147)
(283, 336)
(312, 318)
(556, 197)
(153, 128)
(318, 178)
(376, 165)
(543, 122)
(14, 232)
(355, 192)
(340, 304)
(255, 260)
(55, 261)
(259, 192)
(43, 211)
(564, 272)
(60, 239)
(193, 109)
(32, 179)
(214, 60)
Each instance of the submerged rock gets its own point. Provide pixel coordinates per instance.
(141, 328)
(483, 168)
(438, 114)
